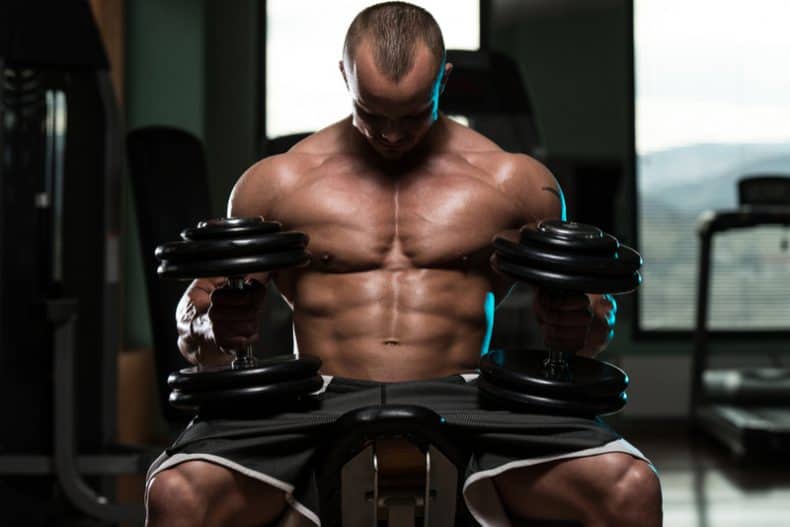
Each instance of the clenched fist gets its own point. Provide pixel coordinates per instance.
(575, 322)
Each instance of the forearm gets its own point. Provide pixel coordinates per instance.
(192, 342)
(193, 326)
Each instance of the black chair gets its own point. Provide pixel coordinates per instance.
(170, 187)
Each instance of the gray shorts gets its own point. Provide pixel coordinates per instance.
(279, 449)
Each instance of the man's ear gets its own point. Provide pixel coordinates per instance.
(448, 68)
(343, 72)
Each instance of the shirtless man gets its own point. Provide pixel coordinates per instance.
(401, 204)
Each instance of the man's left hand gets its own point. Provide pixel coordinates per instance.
(575, 321)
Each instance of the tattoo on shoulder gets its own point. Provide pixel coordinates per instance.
(553, 191)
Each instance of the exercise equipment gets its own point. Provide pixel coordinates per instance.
(567, 257)
(394, 465)
(235, 247)
(61, 166)
(748, 409)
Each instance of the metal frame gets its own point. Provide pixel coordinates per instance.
(709, 226)
(365, 502)
(64, 462)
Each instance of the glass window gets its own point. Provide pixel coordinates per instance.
(304, 43)
(712, 105)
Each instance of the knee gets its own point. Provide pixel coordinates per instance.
(173, 500)
(635, 497)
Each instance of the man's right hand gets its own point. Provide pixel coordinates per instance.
(214, 320)
(233, 315)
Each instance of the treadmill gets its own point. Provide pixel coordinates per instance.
(748, 410)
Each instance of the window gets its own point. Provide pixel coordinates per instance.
(304, 42)
(712, 105)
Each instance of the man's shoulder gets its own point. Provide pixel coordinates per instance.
(509, 168)
(276, 176)
(522, 180)
(261, 185)
(301, 159)
(497, 164)
(277, 171)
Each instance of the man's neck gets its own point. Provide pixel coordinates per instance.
(431, 142)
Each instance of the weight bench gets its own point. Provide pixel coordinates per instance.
(393, 464)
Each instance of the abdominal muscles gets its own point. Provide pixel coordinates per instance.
(391, 325)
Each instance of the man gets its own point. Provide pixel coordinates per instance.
(401, 205)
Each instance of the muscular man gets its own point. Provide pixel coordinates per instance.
(401, 204)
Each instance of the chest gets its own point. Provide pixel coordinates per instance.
(427, 218)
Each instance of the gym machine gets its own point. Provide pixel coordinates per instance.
(748, 410)
(61, 166)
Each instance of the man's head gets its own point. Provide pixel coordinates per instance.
(394, 67)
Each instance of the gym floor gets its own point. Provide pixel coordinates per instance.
(704, 486)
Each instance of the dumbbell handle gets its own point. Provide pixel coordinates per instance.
(557, 365)
(557, 362)
(245, 356)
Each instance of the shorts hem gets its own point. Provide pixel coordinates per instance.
(294, 504)
(483, 501)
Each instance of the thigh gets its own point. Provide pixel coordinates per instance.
(580, 489)
(216, 494)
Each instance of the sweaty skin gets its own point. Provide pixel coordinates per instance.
(401, 205)
(400, 266)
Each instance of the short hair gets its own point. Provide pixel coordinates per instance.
(394, 29)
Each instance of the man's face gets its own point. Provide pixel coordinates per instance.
(392, 116)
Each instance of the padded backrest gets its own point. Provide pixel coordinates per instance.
(487, 88)
(168, 174)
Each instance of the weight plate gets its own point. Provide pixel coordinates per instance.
(570, 229)
(267, 371)
(570, 236)
(568, 281)
(225, 228)
(238, 399)
(233, 266)
(624, 261)
(523, 370)
(194, 250)
(532, 403)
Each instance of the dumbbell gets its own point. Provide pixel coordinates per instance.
(572, 257)
(233, 248)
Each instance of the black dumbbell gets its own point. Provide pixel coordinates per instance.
(233, 248)
(572, 257)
